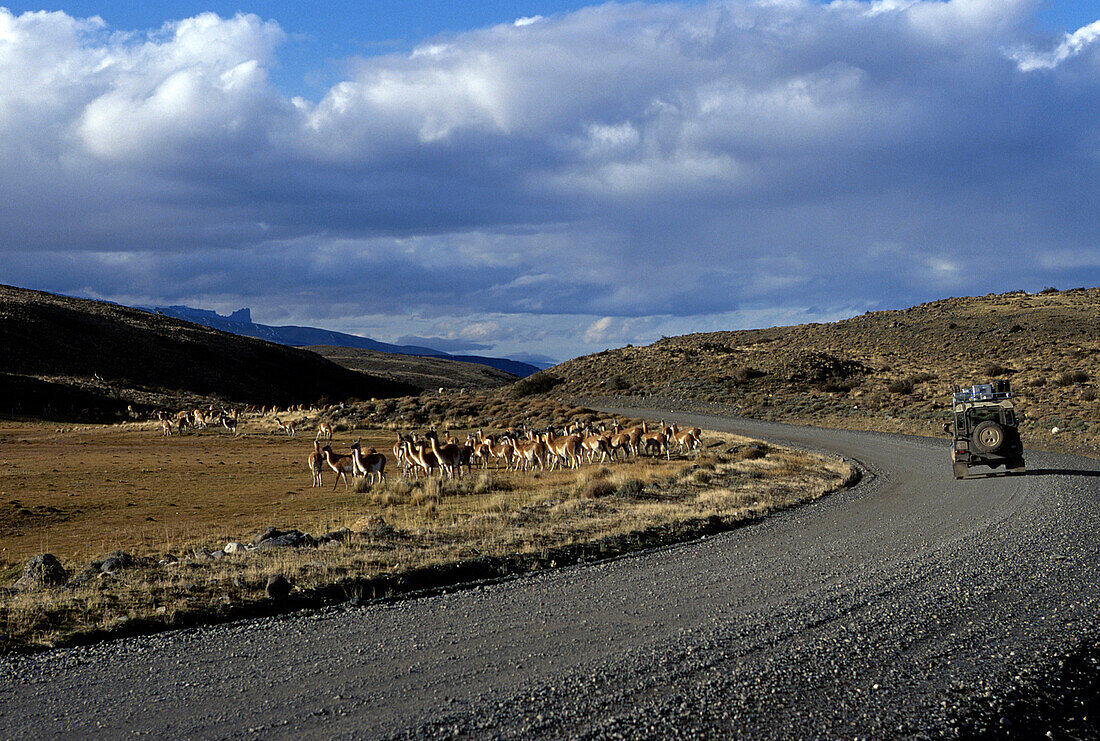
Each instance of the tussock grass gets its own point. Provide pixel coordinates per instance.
(426, 523)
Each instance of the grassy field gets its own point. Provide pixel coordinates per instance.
(171, 502)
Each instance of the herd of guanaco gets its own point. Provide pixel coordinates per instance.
(511, 449)
(429, 455)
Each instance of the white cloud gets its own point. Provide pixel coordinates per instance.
(600, 331)
(1071, 44)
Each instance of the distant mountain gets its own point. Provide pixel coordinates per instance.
(240, 322)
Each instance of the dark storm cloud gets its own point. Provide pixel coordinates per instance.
(602, 176)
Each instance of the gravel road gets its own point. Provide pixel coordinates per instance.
(878, 612)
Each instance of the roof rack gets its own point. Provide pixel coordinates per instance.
(983, 392)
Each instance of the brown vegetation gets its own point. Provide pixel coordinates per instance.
(886, 370)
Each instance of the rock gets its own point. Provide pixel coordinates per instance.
(234, 547)
(278, 588)
(289, 539)
(116, 562)
(265, 534)
(86, 574)
(372, 525)
(342, 534)
(43, 570)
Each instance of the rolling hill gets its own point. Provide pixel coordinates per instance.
(884, 370)
(70, 358)
(425, 373)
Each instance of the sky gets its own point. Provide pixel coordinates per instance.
(549, 179)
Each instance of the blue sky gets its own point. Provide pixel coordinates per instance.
(587, 177)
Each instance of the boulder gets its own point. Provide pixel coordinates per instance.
(41, 571)
(373, 526)
(265, 534)
(234, 547)
(116, 562)
(278, 588)
(342, 534)
(288, 539)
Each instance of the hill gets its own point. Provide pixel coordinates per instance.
(240, 322)
(884, 370)
(425, 373)
(73, 358)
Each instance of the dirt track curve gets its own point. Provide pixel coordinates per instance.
(877, 612)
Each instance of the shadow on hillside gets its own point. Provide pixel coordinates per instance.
(1060, 472)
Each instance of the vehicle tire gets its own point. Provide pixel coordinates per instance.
(989, 436)
(1016, 465)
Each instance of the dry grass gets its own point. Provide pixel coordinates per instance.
(891, 371)
(426, 523)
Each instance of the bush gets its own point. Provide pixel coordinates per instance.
(752, 452)
(617, 383)
(539, 383)
(996, 369)
(1071, 377)
(900, 386)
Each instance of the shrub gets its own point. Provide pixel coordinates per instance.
(836, 384)
(996, 369)
(1070, 377)
(538, 383)
(900, 386)
(617, 383)
(594, 488)
(752, 452)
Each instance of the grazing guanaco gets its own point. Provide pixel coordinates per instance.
(403, 460)
(324, 429)
(596, 445)
(504, 451)
(656, 441)
(529, 453)
(422, 458)
(341, 464)
(686, 439)
(288, 426)
(565, 448)
(448, 455)
(316, 461)
(368, 464)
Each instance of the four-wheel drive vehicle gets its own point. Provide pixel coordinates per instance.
(986, 431)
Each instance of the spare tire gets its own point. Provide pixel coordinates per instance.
(989, 436)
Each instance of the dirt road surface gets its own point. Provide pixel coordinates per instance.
(877, 612)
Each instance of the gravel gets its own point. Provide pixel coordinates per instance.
(896, 609)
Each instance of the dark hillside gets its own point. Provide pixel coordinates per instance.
(79, 351)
